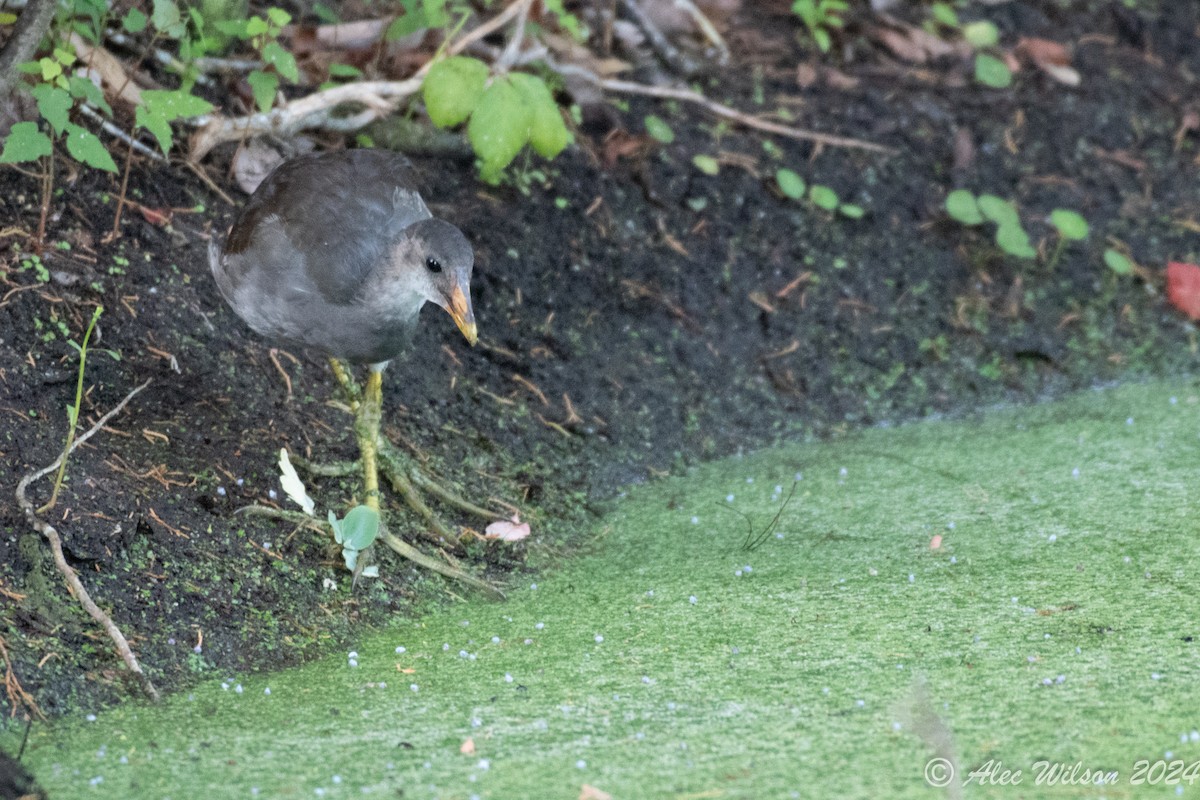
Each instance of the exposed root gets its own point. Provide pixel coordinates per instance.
(69, 575)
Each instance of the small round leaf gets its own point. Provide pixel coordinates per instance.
(962, 207)
(1118, 262)
(706, 164)
(823, 197)
(658, 129)
(981, 34)
(790, 183)
(1012, 239)
(1070, 225)
(998, 210)
(991, 71)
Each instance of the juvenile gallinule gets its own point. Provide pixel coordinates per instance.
(337, 252)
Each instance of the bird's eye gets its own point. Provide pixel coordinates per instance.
(433, 265)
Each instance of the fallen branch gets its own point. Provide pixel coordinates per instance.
(74, 584)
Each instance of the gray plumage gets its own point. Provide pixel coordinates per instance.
(337, 252)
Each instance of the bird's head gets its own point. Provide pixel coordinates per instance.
(438, 260)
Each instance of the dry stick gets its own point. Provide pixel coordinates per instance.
(706, 27)
(72, 579)
(688, 96)
(513, 49)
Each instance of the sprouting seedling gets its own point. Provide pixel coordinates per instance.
(1118, 262)
(355, 533)
(793, 187)
(965, 207)
(1071, 227)
(73, 411)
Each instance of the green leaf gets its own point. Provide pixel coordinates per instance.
(53, 104)
(435, 13)
(998, 210)
(51, 69)
(325, 14)
(360, 527)
(499, 128)
(278, 17)
(175, 104)
(86, 147)
(134, 21)
(166, 19)
(453, 88)
(981, 34)
(851, 210)
(263, 85)
(416, 17)
(658, 129)
(81, 87)
(25, 143)
(1118, 262)
(274, 54)
(823, 40)
(344, 71)
(256, 26)
(1012, 239)
(159, 128)
(548, 134)
(790, 183)
(991, 71)
(1070, 225)
(706, 164)
(945, 14)
(235, 28)
(962, 206)
(823, 197)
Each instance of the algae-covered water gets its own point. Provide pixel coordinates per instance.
(1015, 592)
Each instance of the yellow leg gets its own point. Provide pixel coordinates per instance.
(367, 427)
(368, 412)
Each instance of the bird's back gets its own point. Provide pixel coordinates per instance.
(338, 212)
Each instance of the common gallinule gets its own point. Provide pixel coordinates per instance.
(337, 252)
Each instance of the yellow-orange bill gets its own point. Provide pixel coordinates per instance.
(460, 309)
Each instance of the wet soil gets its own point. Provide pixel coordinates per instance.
(636, 315)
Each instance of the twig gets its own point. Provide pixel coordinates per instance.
(76, 586)
(688, 96)
(513, 48)
(706, 27)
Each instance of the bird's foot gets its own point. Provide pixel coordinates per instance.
(412, 484)
(409, 481)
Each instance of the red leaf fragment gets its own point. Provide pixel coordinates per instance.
(1183, 287)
